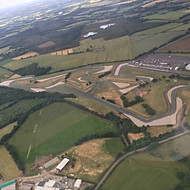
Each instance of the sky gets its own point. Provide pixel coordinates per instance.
(9, 3)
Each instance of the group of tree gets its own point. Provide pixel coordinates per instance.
(184, 181)
(126, 103)
(33, 69)
(104, 74)
(148, 109)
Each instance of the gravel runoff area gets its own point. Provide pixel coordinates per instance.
(106, 69)
(121, 84)
(50, 78)
(124, 91)
(167, 120)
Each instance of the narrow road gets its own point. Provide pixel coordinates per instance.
(116, 163)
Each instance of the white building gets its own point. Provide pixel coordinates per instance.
(62, 164)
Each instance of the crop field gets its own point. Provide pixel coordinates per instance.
(159, 29)
(93, 158)
(8, 169)
(4, 73)
(160, 166)
(142, 44)
(102, 51)
(53, 130)
(172, 15)
(7, 129)
(182, 45)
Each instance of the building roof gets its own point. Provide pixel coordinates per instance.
(51, 162)
(8, 183)
(78, 183)
(62, 164)
(9, 187)
(50, 183)
(46, 188)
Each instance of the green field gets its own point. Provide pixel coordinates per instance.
(155, 97)
(141, 72)
(102, 51)
(113, 146)
(92, 105)
(185, 94)
(159, 29)
(155, 170)
(172, 15)
(53, 130)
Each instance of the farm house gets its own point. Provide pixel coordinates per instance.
(62, 164)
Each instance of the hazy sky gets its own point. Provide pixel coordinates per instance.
(8, 3)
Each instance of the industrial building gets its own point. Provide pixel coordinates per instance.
(78, 183)
(47, 185)
(62, 164)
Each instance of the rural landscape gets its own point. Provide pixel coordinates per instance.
(95, 95)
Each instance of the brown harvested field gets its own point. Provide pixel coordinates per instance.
(54, 53)
(15, 76)
(46, 44)
(59, 53)
(158, 130)
(152, 3)
(182, 45)
(135, 136)
(91, 160)
(26, 55)
(65, 52)
(70, 50)
(8, 168)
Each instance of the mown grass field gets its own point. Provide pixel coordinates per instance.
(92, 105)
(53, 130)
(93, 158)
(155, 97)
(155, 170)
(8, 169)
(141, 72)
(7, 129)
(102, 51)
(185, 94)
